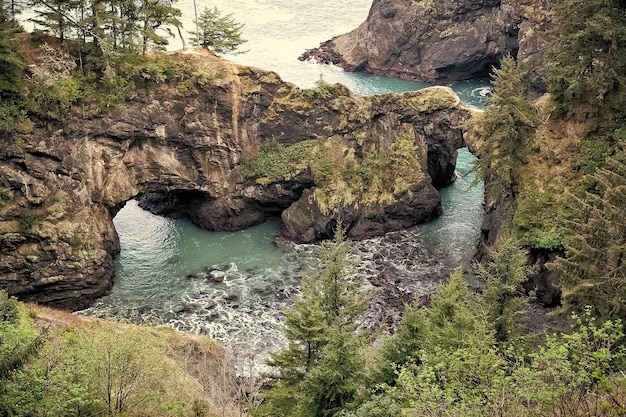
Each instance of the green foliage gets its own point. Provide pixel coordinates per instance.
(118, 89)
(455, 320)
(337, 378)
(567, 373)
(585, 59)
(320, 371)
(274, 162)
(148, 69)
(28, 219)
(11, 61)
(197, 79)
(217, 33)
(52, 98)
(321, 91)
(503, 278)
(98, 368)
(13, 118)
(18, 339)
(574, 374)
(538, 218)
(506, 126)
(155, 20)
(593, 271)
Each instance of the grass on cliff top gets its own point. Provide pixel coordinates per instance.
(97, 367)
(429, 99)
(340, 176)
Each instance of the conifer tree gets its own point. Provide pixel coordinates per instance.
(503, 278)
(316, 372)
(217, 33)
(11, 61)
(456, 319)
(506, 126)
(593, 271)
(585, 56)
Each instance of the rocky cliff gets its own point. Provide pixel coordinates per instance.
(440, 41)
(370, 162)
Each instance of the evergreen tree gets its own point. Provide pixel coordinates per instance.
(506, 126)
(156, 17)
(217, 33)
(503, 278)
(15, 348)
(53, 15)
(337, 378)
(593, 271)
(11, 61)
(315, 374)
(456, 319)
(402, 348)
(585, 56)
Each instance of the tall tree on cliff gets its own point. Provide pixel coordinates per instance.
(11, 61)
(593, 272)
(585, 59)
(507, 125)
(217, 33)
(319, 370)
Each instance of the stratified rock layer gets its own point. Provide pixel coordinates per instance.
(181, 155)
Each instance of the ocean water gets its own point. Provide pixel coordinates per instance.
(163, 265)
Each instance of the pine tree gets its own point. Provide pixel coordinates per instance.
(337, 378)
(456, 319)
(316, 372)
(156, 17)
(11, 61)
(593, 271)
(506, 126)
(585, 56)
(503, 278)
(217, 33)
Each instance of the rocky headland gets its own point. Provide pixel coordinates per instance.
(441, 41)
(236, 149)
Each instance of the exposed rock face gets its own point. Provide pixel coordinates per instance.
(62, 184)
(437, 41)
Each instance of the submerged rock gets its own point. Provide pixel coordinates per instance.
(216, 275)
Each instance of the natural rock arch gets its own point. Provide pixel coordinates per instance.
(182, 154)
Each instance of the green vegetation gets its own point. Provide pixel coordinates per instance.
(506, 126)
(217, 33)
(95, 54)
(379, 176)
(585, 59)
(81, 367)
(464, 355)
(593, 270)
(321, 370)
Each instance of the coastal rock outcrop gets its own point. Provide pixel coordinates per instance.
(439, 41)
(370, 162)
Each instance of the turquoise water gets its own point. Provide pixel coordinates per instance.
(162, 268)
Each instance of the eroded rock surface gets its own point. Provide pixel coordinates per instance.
(440, 41)
(183, 155)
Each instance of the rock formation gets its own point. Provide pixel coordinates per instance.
(440, 41)
(191, 153)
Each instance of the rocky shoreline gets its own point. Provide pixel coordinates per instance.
(441, 41)
(185, 153)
